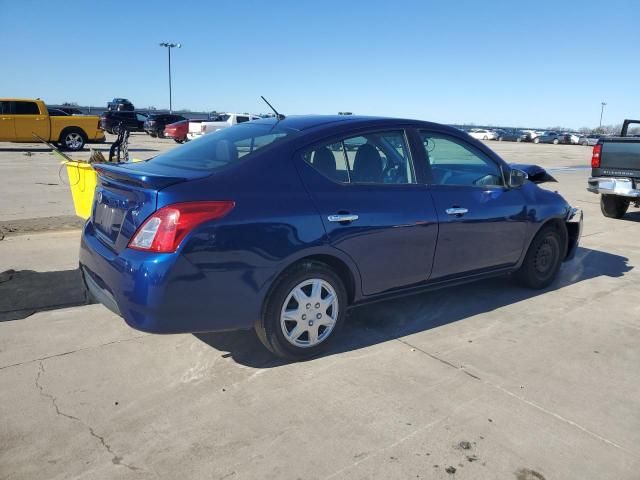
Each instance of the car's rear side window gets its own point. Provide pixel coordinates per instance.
(379, 158)
(26, 108)
(217, 150)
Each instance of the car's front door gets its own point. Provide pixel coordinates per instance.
(29, 121)
(482, 221)
(372, 207)
(7, 126)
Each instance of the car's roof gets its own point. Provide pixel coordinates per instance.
(319, 122)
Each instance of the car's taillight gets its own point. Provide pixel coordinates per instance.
(163, 231)
(595, 156)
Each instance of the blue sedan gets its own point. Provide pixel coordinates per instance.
(282, 225)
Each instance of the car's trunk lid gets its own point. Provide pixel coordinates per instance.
(125, 196)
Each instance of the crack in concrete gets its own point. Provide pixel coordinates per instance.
(27, 362)
(115, 459)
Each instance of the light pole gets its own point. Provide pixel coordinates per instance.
(601, 112)
(169, 46)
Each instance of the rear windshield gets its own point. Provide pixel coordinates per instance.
(216, 150)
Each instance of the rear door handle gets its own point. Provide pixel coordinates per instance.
(347, 217)
(456, 211)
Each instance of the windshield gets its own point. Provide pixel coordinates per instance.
(217, 150)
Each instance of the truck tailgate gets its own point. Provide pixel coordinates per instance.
(620, 156)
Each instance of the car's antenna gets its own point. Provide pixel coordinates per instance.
(279, 116)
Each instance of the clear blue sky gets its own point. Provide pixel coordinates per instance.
(538, 63)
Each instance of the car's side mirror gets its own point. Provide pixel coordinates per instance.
(517, 178)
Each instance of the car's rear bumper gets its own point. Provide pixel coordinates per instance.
(623, 187)
(167, 293)
(573, 221)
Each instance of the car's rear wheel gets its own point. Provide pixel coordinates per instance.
(180, 140)
(543, 259)
(72, 139)
(536, 140)
(304, 312)
(555, 141)
(613, 206)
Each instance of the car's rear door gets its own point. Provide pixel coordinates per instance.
(7, 124)
(29, 120)
(482, 221)
(372, 206)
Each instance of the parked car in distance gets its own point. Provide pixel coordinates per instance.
(615, 172)
(513, 136)
(217, 122)
(111, 121)
(590, 139)
(482, 134)
(178, 131)
(155, 123)
(70, 110)
(21, 118)
(203, 237)
(572, 138)
(120, 105)
(550, 137)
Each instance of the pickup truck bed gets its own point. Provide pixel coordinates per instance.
(615, 172)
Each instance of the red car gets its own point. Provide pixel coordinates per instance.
(177, 131)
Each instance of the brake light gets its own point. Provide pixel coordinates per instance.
(595, 156)
(163, 231)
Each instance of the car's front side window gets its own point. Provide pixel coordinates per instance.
(378, 158)
(453, 162)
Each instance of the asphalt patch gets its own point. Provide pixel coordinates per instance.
(25, 292)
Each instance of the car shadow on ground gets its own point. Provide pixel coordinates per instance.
(383, 321)
(632, 217)
(25, 292)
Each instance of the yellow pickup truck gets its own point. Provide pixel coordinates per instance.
(21, 119)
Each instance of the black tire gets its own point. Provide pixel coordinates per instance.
(543, 259)
(72, 139)
(180, 140)
(269, 329)
(115, 130)
(613, 206)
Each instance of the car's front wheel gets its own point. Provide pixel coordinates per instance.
(536, 140)
(613, 206)
(543, 259)
(556, 141)
(304, 312)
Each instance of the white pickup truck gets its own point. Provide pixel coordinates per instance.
(217, 122)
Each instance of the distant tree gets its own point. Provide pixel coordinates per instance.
(151, 108)
(70, 104)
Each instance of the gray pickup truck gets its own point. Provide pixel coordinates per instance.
(615, 172)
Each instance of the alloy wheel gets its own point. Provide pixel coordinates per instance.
(73, 141)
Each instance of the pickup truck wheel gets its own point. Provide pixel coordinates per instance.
(72, 139)
(613, 206)
(543, 259)
(304, 312)
(180, 140)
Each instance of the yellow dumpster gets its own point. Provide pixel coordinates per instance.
(82, 180)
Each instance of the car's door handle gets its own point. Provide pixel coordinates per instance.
(346, 217)
(456, 211)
